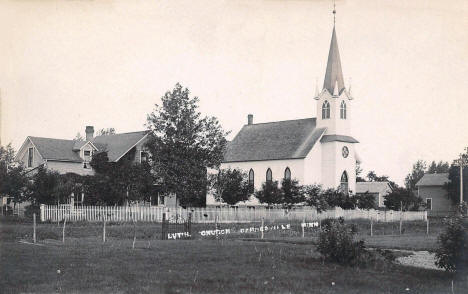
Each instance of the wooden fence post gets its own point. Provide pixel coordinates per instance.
(216, 225)
(263, 222)
(427, 226)
(401, 215)
(103, 229)
(371, 227)
(163, 227)
(302, 225)
(63, 230)
(134, 233)
(34, 228)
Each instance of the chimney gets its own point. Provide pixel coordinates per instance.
(89, 133)
(250, 119)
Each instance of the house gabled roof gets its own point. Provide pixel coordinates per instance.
(373, 187)
(68, 150)
(119, 144)
(56, 149)
(291, 139)
(433, 180)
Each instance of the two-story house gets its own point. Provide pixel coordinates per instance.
(74, 156)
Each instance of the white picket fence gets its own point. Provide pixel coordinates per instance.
(211, 214)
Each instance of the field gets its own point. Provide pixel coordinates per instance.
(281, 263)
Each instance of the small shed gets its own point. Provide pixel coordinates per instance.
(431, 189)
(377, 189)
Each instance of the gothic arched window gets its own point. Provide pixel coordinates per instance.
(344, 183)
(325, 110)
(343, 110)
(251, 178)
(269, 175)
(287, 173)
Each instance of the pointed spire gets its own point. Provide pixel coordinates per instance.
(333, 74)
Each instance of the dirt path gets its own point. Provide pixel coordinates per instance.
(423, 259)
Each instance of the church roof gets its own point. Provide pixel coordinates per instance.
(339, 138)
(334, 73)
(291, 139)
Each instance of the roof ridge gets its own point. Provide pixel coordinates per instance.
(280, 121)
(123, 133)
(34, 137)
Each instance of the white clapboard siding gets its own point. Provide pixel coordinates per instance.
(212, 214)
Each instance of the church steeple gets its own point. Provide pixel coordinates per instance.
(333, 74)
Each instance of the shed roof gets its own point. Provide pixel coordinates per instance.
(373, 187)
(433, 180)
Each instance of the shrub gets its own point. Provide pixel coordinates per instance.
(452, 254)
(336, 244)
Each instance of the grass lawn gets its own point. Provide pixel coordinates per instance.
(191, 266)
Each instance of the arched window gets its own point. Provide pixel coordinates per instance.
(325, 110)
(251, 178)
(344, 183)
(269, 175)
(343, 110)
(287, 173)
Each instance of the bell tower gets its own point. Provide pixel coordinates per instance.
(334, 112)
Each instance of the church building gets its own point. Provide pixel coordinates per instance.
(316, 150)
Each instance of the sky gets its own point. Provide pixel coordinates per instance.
(68, 64)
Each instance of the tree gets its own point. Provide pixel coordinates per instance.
(365, 201)
(337, 198)
(291, 192)
(43, 187)
(269, 193)
(372, 177)
(117, 182)
(403, 196)
(416, 174)
(183, 144)
(440, 167)
(452, 254)
(231, 186)
(105, 132)
(13, 179)
(315, 197)
(359, 172)
(78, 137)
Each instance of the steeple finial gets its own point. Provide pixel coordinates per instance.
(334, 12)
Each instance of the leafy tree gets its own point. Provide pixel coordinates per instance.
(372, 177)
(416, 174)
(315, 197)
(269, 193)
(359, 172)
(337, 198)
(440, 167)
(117, 182)
(403, 196)
(43, 187)
(452, 254)
(453, 186)
(13, 180)
(291, 192)
(104, 132)
(231, 186)
(183, 144)
(365, 201)
(78, 137)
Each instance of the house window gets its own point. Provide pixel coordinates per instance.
(344, 183)
(428, 203)
(343, 110)
(30, 156)
(287, 173)
(87, 153)
(251, 178)
(160, 200)
(143, 156)
(325, 110)
(269, 175)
